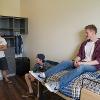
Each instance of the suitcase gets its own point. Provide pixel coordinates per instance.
(22, 65)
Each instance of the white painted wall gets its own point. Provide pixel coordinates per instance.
(55, 26)
(10, 7)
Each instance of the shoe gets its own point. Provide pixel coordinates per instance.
(52, 86)
(30, 95)
(24, 96)
(7, 81)
(27, 95)
(42, 75)
(38, 76)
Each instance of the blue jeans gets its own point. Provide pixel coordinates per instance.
(66, 65)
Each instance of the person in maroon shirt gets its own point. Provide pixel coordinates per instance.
(87, 60)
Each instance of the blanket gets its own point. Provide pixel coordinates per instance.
(89, 80)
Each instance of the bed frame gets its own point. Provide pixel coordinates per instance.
(85, 93)
(88, 95)
(63, 96)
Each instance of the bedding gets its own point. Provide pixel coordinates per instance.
(73, 90)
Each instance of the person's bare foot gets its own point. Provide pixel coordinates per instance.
(30, 90)
(8, 81)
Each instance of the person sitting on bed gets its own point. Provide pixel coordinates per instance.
(40, 66)
(87, 59)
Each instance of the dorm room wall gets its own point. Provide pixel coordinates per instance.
(10, 7)
(55, 26)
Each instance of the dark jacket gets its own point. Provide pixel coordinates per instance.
(96, 53)
(45, 66)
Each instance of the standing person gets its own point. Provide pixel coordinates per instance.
(87, 60)
(3, 61)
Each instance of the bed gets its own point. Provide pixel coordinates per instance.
(90, 81)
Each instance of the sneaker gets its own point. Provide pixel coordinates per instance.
(27, 95)
(52, 86)
(42, 75)
(38, 76)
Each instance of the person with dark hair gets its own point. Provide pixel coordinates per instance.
(40, 66)
(40, 59)
(87, 60)
(91, 28)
